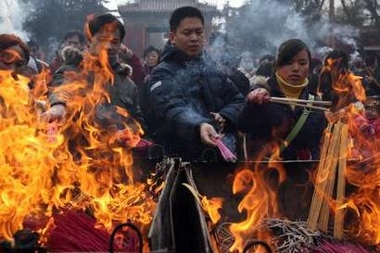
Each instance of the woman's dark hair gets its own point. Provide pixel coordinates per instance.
(98, 22)
(151, 49)
(9, 40)
(184, 12)
(288, 49)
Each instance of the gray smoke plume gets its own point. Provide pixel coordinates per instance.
(12, 15)
(268, 23)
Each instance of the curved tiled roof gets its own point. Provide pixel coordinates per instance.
(161, 6)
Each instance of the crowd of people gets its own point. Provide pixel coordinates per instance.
(186, 98)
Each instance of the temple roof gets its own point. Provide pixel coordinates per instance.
(163, 6)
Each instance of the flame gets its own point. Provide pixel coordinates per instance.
(88, 165)
(364, 176)
(362, 202)
(212, 207)
(259, 201)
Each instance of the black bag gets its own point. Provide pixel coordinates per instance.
(179, 224)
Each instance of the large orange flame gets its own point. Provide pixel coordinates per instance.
(259, 201)
(86, 165)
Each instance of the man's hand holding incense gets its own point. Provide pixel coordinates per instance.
(208, 134)
(55, 113)
(219, 120)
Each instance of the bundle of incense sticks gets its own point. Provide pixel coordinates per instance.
(227, 155)
(144, 144)
(312, 104)
(52, 130)
(330, 176)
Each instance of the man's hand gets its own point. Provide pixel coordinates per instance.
(208, 134)
(56, 112)
(219, 120)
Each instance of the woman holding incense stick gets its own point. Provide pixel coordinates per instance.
(274, 120)
(271, 113)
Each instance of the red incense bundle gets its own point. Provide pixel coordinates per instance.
(227, 155)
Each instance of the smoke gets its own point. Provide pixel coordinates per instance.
(264, 25)
(12, 15)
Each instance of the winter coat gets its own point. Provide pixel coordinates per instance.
(270, 123)
(123, 92)
(182, 93)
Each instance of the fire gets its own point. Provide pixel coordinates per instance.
(360, 203)
(84, 163)
(364, 177)
(259, 202)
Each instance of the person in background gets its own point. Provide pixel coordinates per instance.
(73, 39)
(371, 76)
(14, 54)
(35, 50)
(151, 59)
(269, 125)
(127, 56)
(193, 103)
(105, 33)
(263, 73)
(36, 64)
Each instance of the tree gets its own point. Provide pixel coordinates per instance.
(49, 20)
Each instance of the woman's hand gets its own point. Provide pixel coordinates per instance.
(258, 96)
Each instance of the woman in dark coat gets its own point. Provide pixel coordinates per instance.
(269, 124)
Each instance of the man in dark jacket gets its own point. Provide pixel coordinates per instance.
(192, 103)
(99, 76)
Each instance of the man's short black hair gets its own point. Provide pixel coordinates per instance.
(74, 33)
(184, 12)
(98, 22)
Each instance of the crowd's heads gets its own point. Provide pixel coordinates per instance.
(151, 56)
(265, 69)
(105, 33)
(14, 53)
(184, 12)
(74, 39)
(288, 49)
(105, 21)
(267, 58)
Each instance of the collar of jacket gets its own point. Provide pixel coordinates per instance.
(172, 53)
(276, 91)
